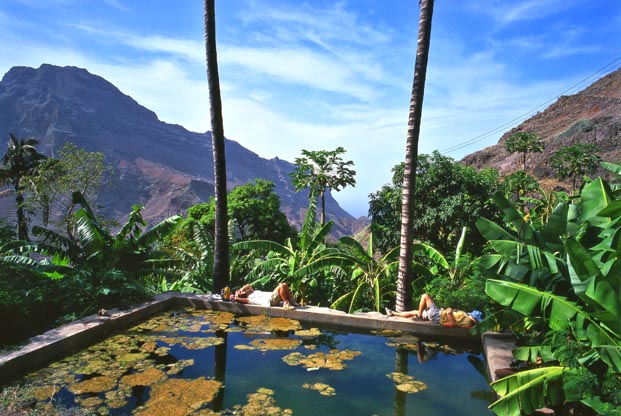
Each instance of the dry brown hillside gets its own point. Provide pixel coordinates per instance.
(592, 116)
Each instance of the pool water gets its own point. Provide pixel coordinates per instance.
(206, 362)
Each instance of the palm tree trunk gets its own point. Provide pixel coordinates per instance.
(404, 284)
(221, 246)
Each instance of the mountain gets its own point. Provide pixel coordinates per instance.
(162, 166)
(590, 116)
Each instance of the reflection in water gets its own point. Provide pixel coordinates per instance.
(401, 366)
(220, 369)
(167, 362)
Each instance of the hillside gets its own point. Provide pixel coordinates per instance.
(164, 167)
(590, 116)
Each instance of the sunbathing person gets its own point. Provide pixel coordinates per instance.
(282, 293)
(429, 311)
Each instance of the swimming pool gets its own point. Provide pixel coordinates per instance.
(189, 361)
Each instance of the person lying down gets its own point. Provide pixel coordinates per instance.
(429, 311)
(248, 295)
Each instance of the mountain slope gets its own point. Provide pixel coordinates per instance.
(162, 166)
(590, 116)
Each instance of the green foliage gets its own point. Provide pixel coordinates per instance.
(73, 170)
(6, 231)
(94, 252)
(62, 277)
(466, 294)
(524, 143)
(321, 170)
(253, 210)
(520, 184)
(580, 246)
(192, 246)
(373, 280)
(448, 197)
(308, 264)
(20, 160)
(300, 265)
(385, 211)
(575, 161)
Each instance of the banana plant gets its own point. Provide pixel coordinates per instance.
(94, 247)
(289, 262)
(196, 263)
(590, 312)
(525, 391)
(525, 254)
(373, 278)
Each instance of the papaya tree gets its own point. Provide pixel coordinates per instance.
(524, 143)
(320, 171)
(575, 161)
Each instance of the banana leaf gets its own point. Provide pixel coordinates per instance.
(263, 245)
(560, 311)
(512, 215)
(159, 231)
(555, 228)
(355, 248)
(581, 266)
(532, 353)
(601, 408)
(595, 196)
(432, 254)
(611, 355)
(602, 291)
(613, 167)
(524, 392)
(492, 231)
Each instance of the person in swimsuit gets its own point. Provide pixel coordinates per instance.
(429, 311)
(246, 294)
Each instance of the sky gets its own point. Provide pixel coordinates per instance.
(320, 74)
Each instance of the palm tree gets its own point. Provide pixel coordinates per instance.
(404, 283)
(221, 267)
(21, 159)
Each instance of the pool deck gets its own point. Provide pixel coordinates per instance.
(53, 344)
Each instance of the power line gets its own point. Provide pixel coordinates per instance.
(524, 115)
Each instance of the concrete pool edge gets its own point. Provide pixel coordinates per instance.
(53, 344)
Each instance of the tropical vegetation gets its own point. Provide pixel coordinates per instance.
(549, 263)
(323, 170)
(524, 143)
(562, 278)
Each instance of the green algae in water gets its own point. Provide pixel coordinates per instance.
(194, 362)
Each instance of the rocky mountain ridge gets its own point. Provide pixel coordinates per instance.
(592, 115)
(162, 166)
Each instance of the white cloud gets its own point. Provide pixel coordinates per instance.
(506, 12)
(319, 25)
(299, 66)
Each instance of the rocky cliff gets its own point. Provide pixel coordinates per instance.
(591, 116)
(164, 167)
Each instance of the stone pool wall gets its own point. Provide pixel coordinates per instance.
(51, 345)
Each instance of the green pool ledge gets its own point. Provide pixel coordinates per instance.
(56, 343)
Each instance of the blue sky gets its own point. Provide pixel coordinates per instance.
(319, 74)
